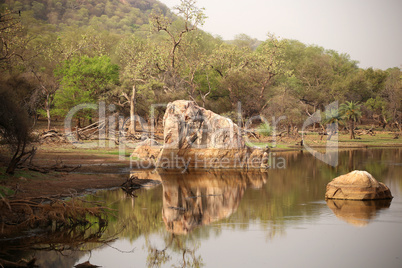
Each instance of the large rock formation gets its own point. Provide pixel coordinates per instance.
(148, 149)
(196, 137)
(187, 125)
(357, 185)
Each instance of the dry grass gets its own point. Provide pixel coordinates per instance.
(50, 212)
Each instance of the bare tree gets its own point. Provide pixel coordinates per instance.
(193, 17)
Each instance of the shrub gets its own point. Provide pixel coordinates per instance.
(264, 129)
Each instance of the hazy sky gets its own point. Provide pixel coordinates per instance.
(370, 31)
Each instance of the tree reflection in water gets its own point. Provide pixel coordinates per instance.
(195, 199)
(200, 198)
(48, 247)
(189, 258)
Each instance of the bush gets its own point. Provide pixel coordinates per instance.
(264, 129)
(14, 125)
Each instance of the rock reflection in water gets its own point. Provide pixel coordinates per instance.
(357, 213)
(200, 197)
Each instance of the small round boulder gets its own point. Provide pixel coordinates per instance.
(357, 185)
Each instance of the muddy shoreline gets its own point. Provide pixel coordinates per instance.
(98, 170)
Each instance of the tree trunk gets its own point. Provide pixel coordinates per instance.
(132, 111)
(315, 107)
(352, 129)
(12, 165)
(16, 157)
(47, 104)
(77, 127)
(48, 118)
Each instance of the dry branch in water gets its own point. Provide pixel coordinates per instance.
(50, 212)
(133, 183)
(70, 224)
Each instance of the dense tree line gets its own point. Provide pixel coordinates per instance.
(124, 16)
(133, 53)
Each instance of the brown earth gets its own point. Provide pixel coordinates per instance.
(96, 171)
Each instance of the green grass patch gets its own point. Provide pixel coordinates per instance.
(377, 139)
(126, 153)
(98, 151)
(270, 144)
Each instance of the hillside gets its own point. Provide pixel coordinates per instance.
(121, 16)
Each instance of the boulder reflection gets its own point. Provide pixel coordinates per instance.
(200, 197)
(357, 213)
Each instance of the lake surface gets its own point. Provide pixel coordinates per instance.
(277, 218)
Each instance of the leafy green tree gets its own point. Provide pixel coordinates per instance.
(139, 74)
(393, 94)
(39, 10)
(268, 62)
(248, 75)
(348, 82)
(375, 79)
(316, 76)
(51, 50)
(84, 80)
(379, 108)
(351, 86)
(283, 101)
(230, 63)
(350, 111)
(322, 76)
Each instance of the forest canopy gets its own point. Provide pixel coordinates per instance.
(133, 53)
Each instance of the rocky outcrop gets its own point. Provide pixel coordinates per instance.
(199, 138)
(357, 185)
(148, 149)
(186, 125)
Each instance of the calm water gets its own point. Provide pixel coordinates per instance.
(236, 219)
